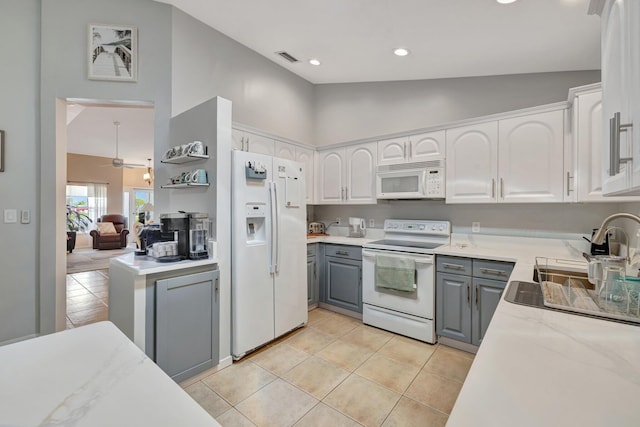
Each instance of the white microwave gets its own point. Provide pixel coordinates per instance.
(423, 180)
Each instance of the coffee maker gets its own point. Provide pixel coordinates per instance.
(178, 224)
(198, 235)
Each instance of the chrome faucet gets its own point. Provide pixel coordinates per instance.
(600, 235)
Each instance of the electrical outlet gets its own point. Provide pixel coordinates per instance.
(372, 223)
(475, 227)
(339, 220)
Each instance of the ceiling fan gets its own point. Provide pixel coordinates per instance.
(117, 162)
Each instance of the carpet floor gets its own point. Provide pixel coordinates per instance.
(92, 259)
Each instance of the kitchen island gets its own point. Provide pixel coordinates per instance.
(540, 367)
(169, 310)
(90, 376)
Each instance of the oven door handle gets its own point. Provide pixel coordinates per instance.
(417, 259)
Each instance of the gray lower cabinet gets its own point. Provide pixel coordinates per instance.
(342, 277)
(467, 294)
(312, 274)
(187, 324)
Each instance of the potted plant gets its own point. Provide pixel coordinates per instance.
(76, 221)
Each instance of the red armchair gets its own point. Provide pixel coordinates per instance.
(117, 240)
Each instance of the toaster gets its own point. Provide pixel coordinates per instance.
(317, 228)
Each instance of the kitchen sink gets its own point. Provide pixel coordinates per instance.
(530, 294)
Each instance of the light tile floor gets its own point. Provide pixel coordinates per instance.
(87, 297)
(336, 372)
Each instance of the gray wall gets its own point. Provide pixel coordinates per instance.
(265, 96)
(352, 111)
(533, 220)
(64, 75)
(19, 117)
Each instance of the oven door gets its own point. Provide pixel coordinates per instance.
(420, 303)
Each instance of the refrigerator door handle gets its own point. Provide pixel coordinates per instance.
(272, 269)
(275, 221)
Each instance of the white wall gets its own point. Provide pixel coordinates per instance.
(19, 117)
(352, 111)
(64, 75)
(265, 96)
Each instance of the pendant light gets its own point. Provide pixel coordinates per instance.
(147, 174)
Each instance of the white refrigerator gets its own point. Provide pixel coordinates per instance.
(269, 267)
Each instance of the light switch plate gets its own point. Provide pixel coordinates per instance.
(25, 216)
(10, 216)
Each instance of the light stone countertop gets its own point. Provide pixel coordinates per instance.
(142, 265)
(546, 368)
(90, 376)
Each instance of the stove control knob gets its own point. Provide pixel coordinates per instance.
(421, 227)
(441, 228)
(433, 228)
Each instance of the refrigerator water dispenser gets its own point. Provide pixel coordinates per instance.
(255, 216)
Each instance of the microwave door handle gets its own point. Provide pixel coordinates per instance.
(423, 189)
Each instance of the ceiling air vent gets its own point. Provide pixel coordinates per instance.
(287, 56)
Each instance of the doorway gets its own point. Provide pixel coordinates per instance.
(108, 145)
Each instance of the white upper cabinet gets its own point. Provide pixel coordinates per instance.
(414, 148)
(361, 174)
(472, 163)
(587, 140)
(392, 151)
(513, 160)
(284, 150)
(305, 156)
(530, 158)
(427, 146)
(616, 80)
(247, 141)
(347, 175)
(331, 181)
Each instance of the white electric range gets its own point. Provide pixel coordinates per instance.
(406, 312)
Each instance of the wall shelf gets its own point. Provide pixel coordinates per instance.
(185, 185)
(178, 160)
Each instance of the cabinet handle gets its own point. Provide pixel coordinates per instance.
(404, 152)
(493, 188)
(493, 271)
(346, 193)
(247, 144)
(568, 180)
(468, 295)
(476, 296)
(453, 266)
(410, 150)
(501, 188)
(342, 193)
(342, 253)
(615, 129)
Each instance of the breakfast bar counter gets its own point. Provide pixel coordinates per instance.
(90, 376)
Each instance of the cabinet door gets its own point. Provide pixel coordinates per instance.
(392, 151)
(453, 306)
(237, 140)
(259, 144)
(361, 174)
(588, 140)
(633, 23)
(311, 281)
(530, 158)
(305, 156)
(187, 325)
(343, 278)
(486, 296)
(284, 150)
(427, 146)
(472, 163)
(331, 182)
(615, 87)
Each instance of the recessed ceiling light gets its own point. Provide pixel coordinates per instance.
(314, 61)
(505, 1)
(401, 51)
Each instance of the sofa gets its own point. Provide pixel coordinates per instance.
(110, 237)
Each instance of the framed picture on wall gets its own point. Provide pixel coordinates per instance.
(1, 151)
(113, 52)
